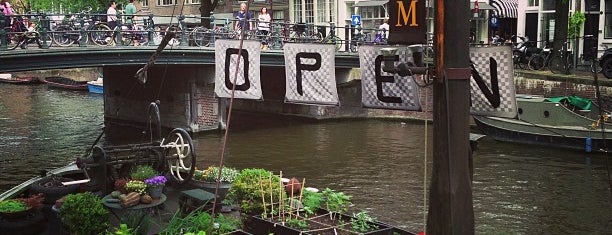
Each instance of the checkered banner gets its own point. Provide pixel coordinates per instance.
(380, 89)
(248, 85)
(310, 72)
(492, 82)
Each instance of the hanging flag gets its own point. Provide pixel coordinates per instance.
(380, 89)
(492, 83)
(310, 74)
(248, 85)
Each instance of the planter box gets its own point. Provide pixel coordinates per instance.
(320, 223)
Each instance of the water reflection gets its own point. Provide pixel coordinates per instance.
(517, 189)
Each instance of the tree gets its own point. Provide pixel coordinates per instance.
(561, 23)
(206, 6)
(53, 6)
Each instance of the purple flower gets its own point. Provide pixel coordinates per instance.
(156, 180)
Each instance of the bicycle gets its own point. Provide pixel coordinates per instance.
(331, 38)
(562, 63)
(541, 60)
(357, 40)
(23, 39)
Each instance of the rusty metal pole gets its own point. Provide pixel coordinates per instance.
(450, 199)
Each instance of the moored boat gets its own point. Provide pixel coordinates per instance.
(96, 86)
(66, 83)
(554, 122)
(8, 78)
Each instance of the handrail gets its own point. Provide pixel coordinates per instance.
(80, 24)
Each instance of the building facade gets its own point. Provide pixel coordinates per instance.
(537, 22)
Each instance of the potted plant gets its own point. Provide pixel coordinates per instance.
(83, 213)
(22, 215)
(207, 179)
(136, 186)
(143, 172)
(155, 186)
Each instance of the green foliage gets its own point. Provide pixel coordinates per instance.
(297, 223)
(197, 222)
(139, 220)
(122, 230)
(84, 214)
(12, 206)
(199, 233)
(54, 5)
(143, 172)
(311, 201)
(336, 202)
(247, 190)
(362, 222)
(575, 24)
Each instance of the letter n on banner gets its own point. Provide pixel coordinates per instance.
(492, 85)
(384, 90)
(310, 73)
(248, 85)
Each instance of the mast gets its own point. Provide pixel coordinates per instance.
(450, 198)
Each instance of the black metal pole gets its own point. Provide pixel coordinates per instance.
(450, 198)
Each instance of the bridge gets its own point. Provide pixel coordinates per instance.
(94, 56)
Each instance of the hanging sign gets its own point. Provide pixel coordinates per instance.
(248, 85)
(492, 82)
(407, 22)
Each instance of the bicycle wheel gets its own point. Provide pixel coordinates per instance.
(127, 39)
(62, 36)
(556, 65)
(595, 68)
(275, 41)
(334, 40)
(16, 40)
(201, 36)
(536, 62)
(101, 35)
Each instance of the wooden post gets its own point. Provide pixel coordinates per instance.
(450, 199)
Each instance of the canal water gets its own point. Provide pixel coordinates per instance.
(517, 189)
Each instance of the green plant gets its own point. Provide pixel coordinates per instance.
(198, 221)
(248, 187)
(576, 20)
(311, 201)
(336, 202)
(362, 222)
(143, 172)
(228, 174)
(136, 186)
(122, 230)
(14, 205)
(83, 213)
(138, 220)
(297, 223)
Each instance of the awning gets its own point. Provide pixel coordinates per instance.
(372, 3)
(482, 6)
(505, 8)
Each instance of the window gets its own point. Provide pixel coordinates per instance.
(297, 10)
(533, 3)
(145, 3)
(309, 11)
(166, 2)
(192, 1)
(608, 20)
(325, 10)
(548, 5)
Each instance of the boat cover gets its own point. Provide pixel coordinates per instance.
(582, 103)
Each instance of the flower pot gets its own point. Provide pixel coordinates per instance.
(155, 191)
(210, 187)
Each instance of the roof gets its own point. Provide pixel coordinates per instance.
(371, 3)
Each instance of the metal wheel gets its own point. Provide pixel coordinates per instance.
(201, 36)
(101, 35)
(179, 154)
(62, 36)
(556, 65)
(606, 68)
(536, 62)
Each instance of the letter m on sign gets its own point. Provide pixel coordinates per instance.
(407, 22)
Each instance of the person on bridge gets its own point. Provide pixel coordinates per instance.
(111, 15)
(7, 9)
(130, 16)
(264, 27)
(384, 28)
(242, 17)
